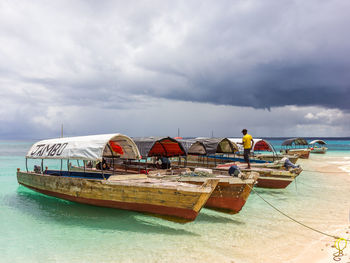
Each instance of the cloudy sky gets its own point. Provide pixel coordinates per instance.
(275, 67)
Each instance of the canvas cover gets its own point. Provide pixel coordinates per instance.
(193, 147)
(318, 141)
(218, 145)
(159, 146)
(92, 147)
(295, 141)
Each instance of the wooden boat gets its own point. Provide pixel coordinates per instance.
(194, 161)
(230, 194)
(318, 146)
(293, 146)
(256, 158)
(302, 153)
(268, 177)
(176, 200)
(273, 157)
(262, 151)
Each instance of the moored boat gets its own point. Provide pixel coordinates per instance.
(318, 146)
(230, 194)
(268, 177)
(176, 200)
(296, 146)
(273, 157)
(262, 151)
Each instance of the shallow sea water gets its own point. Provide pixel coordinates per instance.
(37, 228)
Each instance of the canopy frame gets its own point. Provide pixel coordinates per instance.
(321, 142)
(295, 142)
(147, 147)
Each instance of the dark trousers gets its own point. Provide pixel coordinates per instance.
(246, 155)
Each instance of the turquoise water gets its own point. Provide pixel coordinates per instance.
(37, 228)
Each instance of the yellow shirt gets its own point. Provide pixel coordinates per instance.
(247, 141)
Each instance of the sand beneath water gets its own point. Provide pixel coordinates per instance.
(324, 250)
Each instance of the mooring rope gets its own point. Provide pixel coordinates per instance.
(291, 218)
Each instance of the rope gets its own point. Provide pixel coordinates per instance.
(296, 221)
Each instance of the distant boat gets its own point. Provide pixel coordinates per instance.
(318, 146)
(296, 146)
(268, 177)
(136, 192)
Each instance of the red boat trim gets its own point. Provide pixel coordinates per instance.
(273, 183)
(226, 204)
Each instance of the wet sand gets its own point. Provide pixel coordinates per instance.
(324, 250)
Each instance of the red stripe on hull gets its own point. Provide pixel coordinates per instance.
(185, 215)
(272, 183)
(226, 204)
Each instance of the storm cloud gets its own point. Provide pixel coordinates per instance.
(99, 56)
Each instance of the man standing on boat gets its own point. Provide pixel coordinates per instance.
(248, 144)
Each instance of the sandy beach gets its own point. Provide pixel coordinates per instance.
(323, 250)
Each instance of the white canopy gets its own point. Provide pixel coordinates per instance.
(318, 141)
(92, 148)
(261, 143)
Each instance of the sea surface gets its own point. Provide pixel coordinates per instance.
(37, 228)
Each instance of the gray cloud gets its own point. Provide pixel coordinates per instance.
(90, 57)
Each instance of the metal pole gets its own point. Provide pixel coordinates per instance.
(112, 157)
(42, 166)
(27, 164)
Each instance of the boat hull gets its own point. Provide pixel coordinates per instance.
(266, 182)
(303, 153)
(319, 150)
(228, 197)
(178, 204)
(272, 158)
(268, 178)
